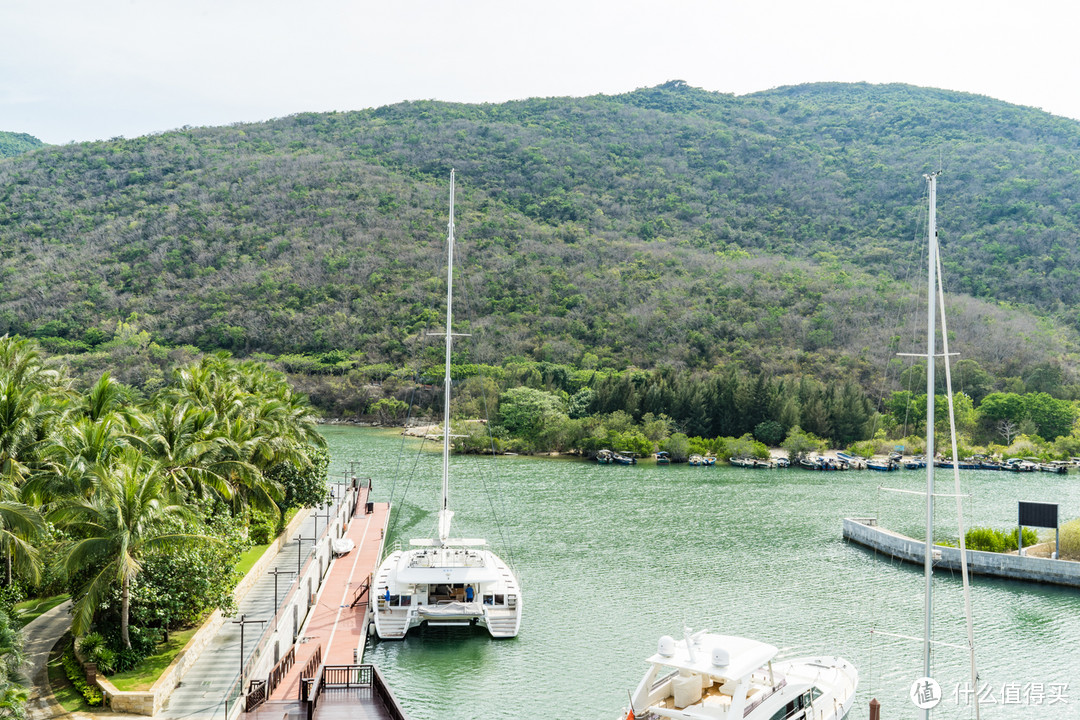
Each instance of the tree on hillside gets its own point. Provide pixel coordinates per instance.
(799, 444)
(525, 412)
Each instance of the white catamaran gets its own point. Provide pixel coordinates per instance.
(444, 580)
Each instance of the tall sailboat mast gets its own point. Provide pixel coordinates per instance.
(445, 514)
(931, 357)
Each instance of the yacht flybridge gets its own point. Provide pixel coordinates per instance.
(445, 580)
(722, 677)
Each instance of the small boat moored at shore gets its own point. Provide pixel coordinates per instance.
(887, 465)
(1020, 465)
(817, 462)
(610, 457)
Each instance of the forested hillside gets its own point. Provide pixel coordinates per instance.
(12, 144)
(776, 232)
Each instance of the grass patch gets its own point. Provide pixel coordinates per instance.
(29, 610)
(150, 669)
(249, 558)
(65, 693)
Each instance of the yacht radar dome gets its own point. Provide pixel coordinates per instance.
(720, 657)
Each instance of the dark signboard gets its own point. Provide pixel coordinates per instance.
(1033, 514)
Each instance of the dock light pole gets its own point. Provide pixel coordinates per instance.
(326, 517)
(242, 622)
(300, 551)
(277, 609)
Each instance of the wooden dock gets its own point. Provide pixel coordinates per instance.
(336, 625)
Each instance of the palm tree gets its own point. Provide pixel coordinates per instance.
(117, 525)
(182, 438)
(71, 460)
(20, 527)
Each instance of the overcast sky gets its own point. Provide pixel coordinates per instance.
(94, 69)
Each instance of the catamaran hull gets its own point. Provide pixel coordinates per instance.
(445, 587)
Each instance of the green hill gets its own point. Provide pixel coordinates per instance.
(669, 226)
(12, 144)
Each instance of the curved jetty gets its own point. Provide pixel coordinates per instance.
(865, 531)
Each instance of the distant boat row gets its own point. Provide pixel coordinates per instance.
(845, 461)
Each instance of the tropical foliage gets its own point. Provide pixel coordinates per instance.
(147, 497)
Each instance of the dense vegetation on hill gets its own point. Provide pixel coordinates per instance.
(775, 233)
(12, 144)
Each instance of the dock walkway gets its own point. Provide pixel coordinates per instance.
(210, 690)
(335, 627)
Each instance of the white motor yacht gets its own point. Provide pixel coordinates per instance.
(722, 677)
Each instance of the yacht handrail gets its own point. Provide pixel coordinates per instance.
(765, 696)
(389, 549)
(656, 684)
(457, 558)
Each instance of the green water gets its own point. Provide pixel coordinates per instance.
(612, 557)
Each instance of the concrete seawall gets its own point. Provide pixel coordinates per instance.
(865, 532)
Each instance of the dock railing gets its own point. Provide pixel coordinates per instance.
(293, 594)
(342, 677)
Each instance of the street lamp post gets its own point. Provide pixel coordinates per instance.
(326, 517)
(277, 609)
(300, 551)
(242, 622)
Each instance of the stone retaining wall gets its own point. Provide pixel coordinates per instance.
(1012, 567)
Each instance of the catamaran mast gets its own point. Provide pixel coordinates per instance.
(931, 356)
(445, 514)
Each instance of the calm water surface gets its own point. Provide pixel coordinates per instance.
(612, 557)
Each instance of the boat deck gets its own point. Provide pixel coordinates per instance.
(713, 696)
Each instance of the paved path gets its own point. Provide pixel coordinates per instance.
(40, 635)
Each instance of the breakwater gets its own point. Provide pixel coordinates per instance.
(864, 531)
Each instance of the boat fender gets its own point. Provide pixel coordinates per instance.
(666, 646)
(720, 657)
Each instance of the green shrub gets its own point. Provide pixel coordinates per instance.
(999, 541)
(985, 539)
(104, 658)
(1030, 538)
(74, 671)
(90, 642)
(263, 527)
(144, 642)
